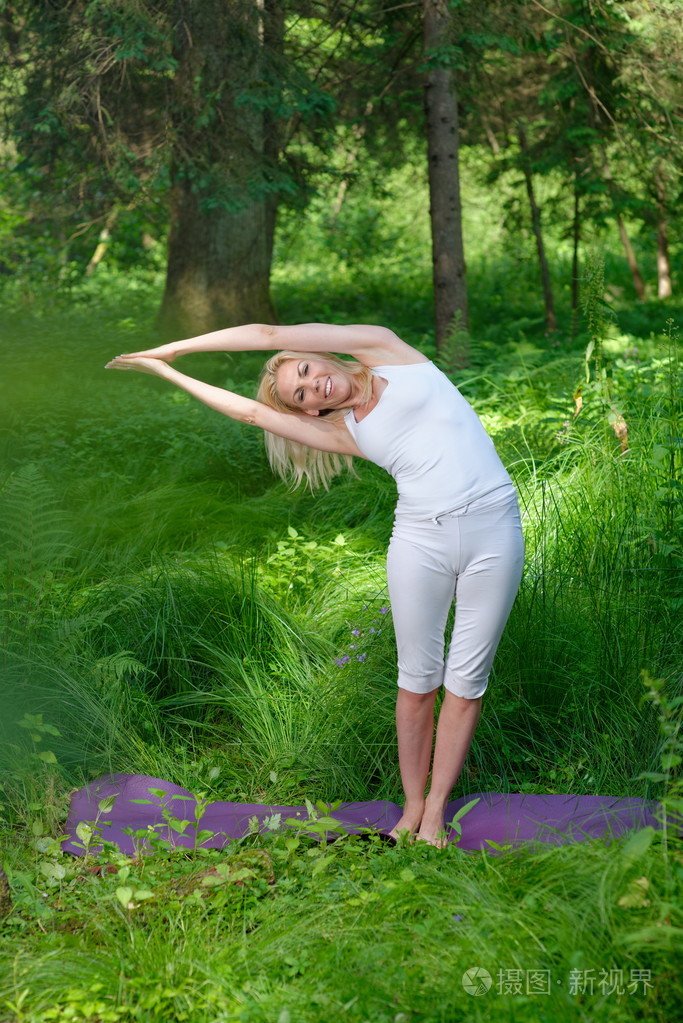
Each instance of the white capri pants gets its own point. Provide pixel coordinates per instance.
(474, 555)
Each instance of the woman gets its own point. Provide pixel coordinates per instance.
(456, 533)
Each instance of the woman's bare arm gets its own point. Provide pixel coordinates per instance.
(309, 430)
(371, 345)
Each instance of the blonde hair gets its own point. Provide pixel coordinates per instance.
(289, 459)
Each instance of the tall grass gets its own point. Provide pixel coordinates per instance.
(170, 610)
(153, 592)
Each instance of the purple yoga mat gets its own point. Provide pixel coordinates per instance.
(496, 818)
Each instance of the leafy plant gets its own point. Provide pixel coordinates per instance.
(670, 754)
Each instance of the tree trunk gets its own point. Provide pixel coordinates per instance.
(102, 242)
(221, 209)
(550, 319)
(450, 286)
(663, 264)
(638, 282)
(576, 237)
(272, 34)
(218, 266)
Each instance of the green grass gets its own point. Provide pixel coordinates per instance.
(171, 610)
(294, 930)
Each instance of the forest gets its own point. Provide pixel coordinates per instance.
(499, 183)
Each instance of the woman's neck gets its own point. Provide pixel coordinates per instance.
(362, 409)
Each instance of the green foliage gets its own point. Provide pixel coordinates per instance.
(177, 934)
(170, 598)
(670, 719)
(292, 569)
(169, 610)
(35, 541)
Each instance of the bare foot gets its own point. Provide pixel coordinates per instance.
(432, 826)
(409, 822)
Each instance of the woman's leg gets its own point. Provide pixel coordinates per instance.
(415, 731)
(492, 558)
(457, 723)
(421, 591)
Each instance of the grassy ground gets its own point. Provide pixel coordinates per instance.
(167, 609)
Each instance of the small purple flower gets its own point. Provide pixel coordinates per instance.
(341, 661)
(352, 646)
(373, 630)
(355, 632)
(457, 916)
(384, 610)
(361, 657)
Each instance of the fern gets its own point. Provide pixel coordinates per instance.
(34, 543)
(119, 667)
(34, 533)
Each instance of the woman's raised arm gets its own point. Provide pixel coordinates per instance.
(371, 345)
(309, 430)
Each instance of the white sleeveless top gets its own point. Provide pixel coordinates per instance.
(427, 436)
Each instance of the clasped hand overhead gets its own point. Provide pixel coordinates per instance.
(141, 362)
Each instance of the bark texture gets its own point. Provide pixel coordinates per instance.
(576, 238)
(638, 283)
(550, 318)
(221, 208)
(663, 264)
(448, 257)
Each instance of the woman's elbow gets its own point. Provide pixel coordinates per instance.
(389, 336)
(249, 414)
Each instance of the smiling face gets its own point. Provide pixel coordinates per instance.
(315, 385)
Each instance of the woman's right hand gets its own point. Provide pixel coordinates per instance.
(167, 353)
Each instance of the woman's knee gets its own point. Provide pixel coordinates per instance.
(416, 699)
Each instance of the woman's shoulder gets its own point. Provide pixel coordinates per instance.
(390, 350)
